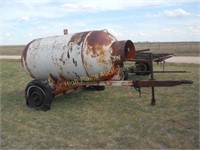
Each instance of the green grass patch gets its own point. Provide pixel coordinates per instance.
(116, 118)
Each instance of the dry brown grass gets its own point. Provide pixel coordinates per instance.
(179, 48)
(11, 50)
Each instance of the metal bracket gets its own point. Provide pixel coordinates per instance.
(137, 87)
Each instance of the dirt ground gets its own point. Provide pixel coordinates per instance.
(185, 59)
(10, 57)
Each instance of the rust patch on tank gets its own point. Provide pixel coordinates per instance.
(129, 50)
(96, 41)
(118, 49)
(62, 85)
(110, 74)
(78, 38)
(125, 49)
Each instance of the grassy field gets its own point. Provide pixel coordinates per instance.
(178, 48)
(115, 118)
(11, 50)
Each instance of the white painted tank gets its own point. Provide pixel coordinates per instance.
(94, 54)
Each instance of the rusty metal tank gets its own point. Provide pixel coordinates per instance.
(94, 54)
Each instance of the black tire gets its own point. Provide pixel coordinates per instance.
(39, 95)
(95, 88)
(142, 68)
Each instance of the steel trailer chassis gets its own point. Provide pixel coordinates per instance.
(39, 93)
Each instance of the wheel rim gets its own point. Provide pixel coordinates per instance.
(143, 67)
(36, 97)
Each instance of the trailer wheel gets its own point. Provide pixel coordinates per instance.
(39, 95)
(142, 68)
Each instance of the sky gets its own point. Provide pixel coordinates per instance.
(137, 20)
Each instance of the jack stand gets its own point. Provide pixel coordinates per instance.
(153, 100)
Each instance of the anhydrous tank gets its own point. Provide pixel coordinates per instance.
(72, 56)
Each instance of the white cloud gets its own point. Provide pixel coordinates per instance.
(46, 9)
(193, 29)
(153, 15)
(7, 34)
(143, 34)
(109, 5)
(79, 6)
(30, 34)
(41, 28)
(31, 3)
(167, 30)
(49, 17)
(24, 18)
(176, 13)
